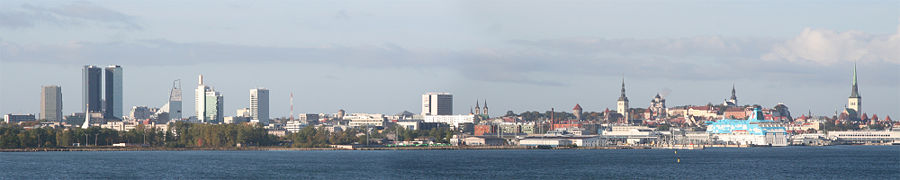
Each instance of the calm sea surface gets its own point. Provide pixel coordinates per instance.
(834, 162)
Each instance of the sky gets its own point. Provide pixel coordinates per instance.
(380, 56)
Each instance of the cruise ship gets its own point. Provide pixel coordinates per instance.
(753, 131)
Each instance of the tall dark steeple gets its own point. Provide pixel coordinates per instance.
(477, 108)
(733, 93)
(485, 110)
(854, 89)
(854, 102)
(622, 97)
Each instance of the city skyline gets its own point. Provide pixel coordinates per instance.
(331, 65)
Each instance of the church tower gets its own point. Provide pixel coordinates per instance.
(855, 101)
(485, 110)
(732, 101)
(622, 103)
(477, 108)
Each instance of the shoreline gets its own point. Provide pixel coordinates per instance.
(695, 147)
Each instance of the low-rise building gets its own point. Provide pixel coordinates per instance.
(366, 120)
(452, 120)
(17, 118)
(484, 141)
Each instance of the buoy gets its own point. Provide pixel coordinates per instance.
(676, 151)
(679, 160)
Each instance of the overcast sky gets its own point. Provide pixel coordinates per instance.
(380, 56)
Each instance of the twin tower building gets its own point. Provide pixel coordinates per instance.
(103, 90)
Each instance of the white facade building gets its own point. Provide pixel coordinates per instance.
(259, 105)
(437, 104)
(452, 120)
(366, 120)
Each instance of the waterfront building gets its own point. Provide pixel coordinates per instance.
(91, 88)
(452, 120)
(558, 141)
(484, 141)
(215, 103)
(259, 105)
(629, 134)
(113, 92)
(434, 103)
(17, 118)
(865, 137)
(752, 131)
(854, 102)
(51, 103)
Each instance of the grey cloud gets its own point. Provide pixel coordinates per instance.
(70, 14)
(531, 65)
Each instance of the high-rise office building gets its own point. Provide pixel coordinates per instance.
(437, 104)
(113, 92)
(173, 105)
(215, 104)
(200, 99)
(91, 88)
(51, 103)
(259, 105)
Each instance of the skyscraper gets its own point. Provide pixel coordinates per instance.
(91, 77)
(855, 100)
(437, 103)
(51, 103)
(173, 105)
(200, 99)
(215, 104)
(113, 92)
(259, 105)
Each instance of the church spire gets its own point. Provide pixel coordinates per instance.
(733, 93)
(854, 91)
(623, 98)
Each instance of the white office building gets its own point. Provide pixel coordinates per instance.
(434, 103)
(259, 105)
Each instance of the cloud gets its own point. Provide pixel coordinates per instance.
(69, 14)
(540, 62)
(822, 46)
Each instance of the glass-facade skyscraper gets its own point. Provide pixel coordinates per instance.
(113, 92)
(91, 77)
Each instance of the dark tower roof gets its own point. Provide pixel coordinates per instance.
(623, 98)
(854, 91)
(577, 107)
(476, 104)
(733, 94)
(485, 103)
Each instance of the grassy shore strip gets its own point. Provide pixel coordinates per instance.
(301, 149)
